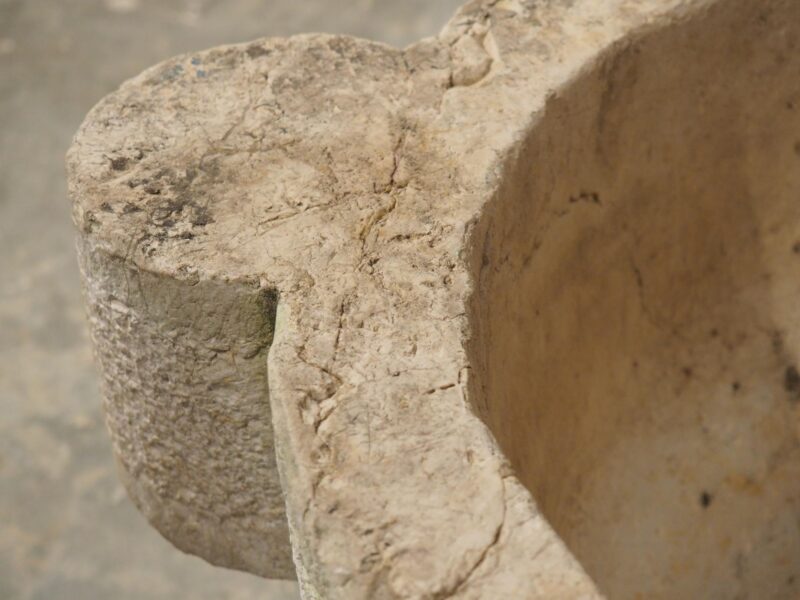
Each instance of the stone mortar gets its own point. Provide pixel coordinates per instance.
(507, 314)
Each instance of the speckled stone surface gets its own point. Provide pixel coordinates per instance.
(67, 529)
(508, 313)
(316, 207)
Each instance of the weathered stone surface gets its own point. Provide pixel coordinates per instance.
(534, 222)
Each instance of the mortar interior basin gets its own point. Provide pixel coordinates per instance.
(637, 309)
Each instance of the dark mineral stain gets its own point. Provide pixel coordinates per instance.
(202, 218)
(255, 51)
(777, 342)
(706, 499)
(119, 164)
(791, 381)
(153, 189)
(592, 197)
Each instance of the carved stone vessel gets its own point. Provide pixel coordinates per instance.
(511, 313)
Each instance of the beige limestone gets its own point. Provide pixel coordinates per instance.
(507, 314)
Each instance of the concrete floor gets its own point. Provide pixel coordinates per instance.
(67, 530)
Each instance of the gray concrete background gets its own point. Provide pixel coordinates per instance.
(67, 530)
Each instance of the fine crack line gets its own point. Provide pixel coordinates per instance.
(342, 305)
(453, 590)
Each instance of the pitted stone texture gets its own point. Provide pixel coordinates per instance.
(293, 165)
(348, 180)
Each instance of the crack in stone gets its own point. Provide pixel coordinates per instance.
(493, 543)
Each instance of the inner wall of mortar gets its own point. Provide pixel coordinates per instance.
(637, 310)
